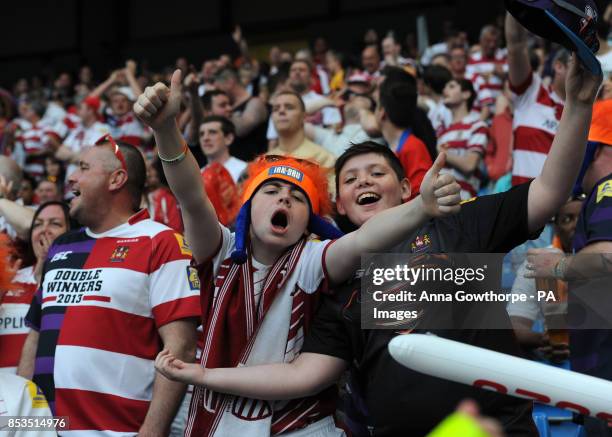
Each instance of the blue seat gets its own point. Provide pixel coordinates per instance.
(555, 422)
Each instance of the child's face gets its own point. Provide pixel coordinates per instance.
(279, 215)
(367, 186)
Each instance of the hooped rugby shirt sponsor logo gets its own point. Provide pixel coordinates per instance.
(60, 256)
(183, 244)
(192, 277)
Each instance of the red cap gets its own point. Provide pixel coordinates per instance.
(93, 102)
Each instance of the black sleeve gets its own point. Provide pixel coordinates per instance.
(34, 315)
(498, 222)
(32, 318)
(328, 334)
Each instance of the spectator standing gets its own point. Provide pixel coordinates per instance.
(288, 114)
(249, 116)
(300, 77)
(127, 273)
(465, 139)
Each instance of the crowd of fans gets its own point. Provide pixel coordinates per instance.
(492, 105)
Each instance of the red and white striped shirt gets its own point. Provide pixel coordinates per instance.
(128, 128)
(69, 123)
(30, 139)
(13, 330)
(468, 135)
(481, 72)
(537, 111)
(102, 301)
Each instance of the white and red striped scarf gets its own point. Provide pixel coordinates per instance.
(235, 335)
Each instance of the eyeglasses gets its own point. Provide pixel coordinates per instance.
(116, 150)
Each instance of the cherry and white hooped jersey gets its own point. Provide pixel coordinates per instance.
(13, 310)
(537, 111)
(468, 135)
(32, 138)
(66, 125)
(490, 85)
(128, 128)
(102, 301)
(82, 136)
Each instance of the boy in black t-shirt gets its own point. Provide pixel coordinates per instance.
(396, 400)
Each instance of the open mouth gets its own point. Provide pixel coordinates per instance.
(280, 220)
(367, 198)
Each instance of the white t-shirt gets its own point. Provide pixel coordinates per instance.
(338, 143)
(235, 167)
(606, 63)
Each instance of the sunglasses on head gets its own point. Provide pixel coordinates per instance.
(107, 138)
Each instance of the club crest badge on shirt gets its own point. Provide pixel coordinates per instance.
(420, 243)
(119, 254)
(604, 190)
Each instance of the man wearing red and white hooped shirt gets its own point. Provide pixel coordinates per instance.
(465, 139)
(111, 295)
(537, 108)
(32, 137)
(85, 134)
(487, 68)
(124, 125)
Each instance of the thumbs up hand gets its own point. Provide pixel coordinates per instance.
(159, 105)
(440, 192)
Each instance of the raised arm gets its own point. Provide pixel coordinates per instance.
(101, 89)
(18, 216)
(192, 82)
(254, 114)
(130, 75)
(307, 375)
(158, 107)
(439, 197)
(552, 187)
(519, 67)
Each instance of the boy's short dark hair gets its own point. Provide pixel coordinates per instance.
(466, 85)
(436, 77)
(227, 127)
(363, 149)
(136, 170)
(399, 101)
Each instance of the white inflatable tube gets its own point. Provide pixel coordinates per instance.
(504, 373)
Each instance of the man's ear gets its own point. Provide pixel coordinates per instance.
(117, 180)
(229, 139)
(406, 189)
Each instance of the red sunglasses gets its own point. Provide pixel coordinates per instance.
(116, 150)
